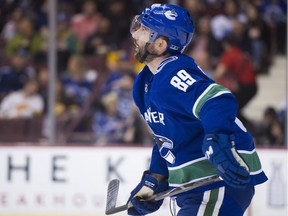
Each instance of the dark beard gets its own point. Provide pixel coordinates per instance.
(145, 55)
(139, 57)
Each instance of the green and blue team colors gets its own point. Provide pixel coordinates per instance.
(181, 104)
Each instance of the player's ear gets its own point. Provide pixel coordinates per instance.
(161, 45)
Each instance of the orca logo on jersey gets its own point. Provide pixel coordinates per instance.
(154, 117)
(165, 146)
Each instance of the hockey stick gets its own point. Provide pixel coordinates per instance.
(113, 189)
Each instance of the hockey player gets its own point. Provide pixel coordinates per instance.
(193, 120)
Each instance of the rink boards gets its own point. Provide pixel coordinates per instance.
(57, 181)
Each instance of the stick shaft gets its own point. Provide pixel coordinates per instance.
(184, 188)
(170, 192)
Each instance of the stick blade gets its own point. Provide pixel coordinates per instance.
(112, 194)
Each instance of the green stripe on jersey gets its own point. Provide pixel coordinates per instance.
(252, 160)
(210, 206)
(213, 90)
(201, 168)
(192, 171)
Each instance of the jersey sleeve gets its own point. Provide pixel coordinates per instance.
(158, 164)
(218, 114)
(211, 91)
(216, 108)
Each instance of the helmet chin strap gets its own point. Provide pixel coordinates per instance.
(147, 53)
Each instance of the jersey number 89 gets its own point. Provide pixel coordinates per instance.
(182, 80)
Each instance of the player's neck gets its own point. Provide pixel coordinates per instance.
(153, 65)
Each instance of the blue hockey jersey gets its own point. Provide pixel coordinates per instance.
(181, 104)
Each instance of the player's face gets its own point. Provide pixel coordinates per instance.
(141, 35)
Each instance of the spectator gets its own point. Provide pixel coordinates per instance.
(78, 81)
(220, 27)
(120, 83)
(271, 131)
(6, 8)
(275, 14)
(108, 125)
(259, 35)
(67, 43)
(101, 41)
(119, 13)
(41, 9)
(232, 10)
(221, 24)
(11, 27)
(26, 38)
(123, 88)
(64, 109)
(117, 64)
(239, 32)
(205, 47)
(235, 72)
(16, 73)
(87, 21)
(62, 103)
(194, 7)
(24, 103)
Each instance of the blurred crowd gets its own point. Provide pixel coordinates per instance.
(96, 67)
